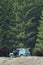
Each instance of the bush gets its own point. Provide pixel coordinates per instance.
(37, 52)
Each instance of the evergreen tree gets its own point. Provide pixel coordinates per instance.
(5, 15)
(24, 16)
(39, 45)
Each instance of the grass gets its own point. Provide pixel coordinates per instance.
(21, 61)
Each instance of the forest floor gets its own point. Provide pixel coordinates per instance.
(31, 60)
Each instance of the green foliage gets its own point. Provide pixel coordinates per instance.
(19, 21)
(21, 45)
(39, 40)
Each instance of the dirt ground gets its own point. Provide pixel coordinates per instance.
(31, 60)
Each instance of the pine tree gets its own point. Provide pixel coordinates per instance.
(5, 15)
(23, 19)
(39, 40)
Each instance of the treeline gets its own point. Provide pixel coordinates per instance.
(21, 25)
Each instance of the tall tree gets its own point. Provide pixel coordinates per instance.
(5, 15)
(39, 41)
(23, 19)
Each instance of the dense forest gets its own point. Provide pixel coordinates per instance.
(21, 25)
